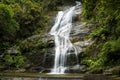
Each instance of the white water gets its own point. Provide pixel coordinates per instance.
(61, 32)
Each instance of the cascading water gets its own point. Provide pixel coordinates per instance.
(61, 32)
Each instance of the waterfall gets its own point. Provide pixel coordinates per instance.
(63, 46)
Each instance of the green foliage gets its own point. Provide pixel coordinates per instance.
(98, 33)
(29, 16)
(17, 61)
(8, 26)
(9, 60)
(7, 1)
(30, 47)
(88, 8)
(111, 52)
(105, 15)
(108, 56)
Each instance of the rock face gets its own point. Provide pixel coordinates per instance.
(78, 36)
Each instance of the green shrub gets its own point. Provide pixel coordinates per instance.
(16, 61)
(110, 53)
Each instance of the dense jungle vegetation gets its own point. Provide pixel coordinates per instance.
(105, 15)
(20, 19)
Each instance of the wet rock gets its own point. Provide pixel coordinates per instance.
(80, 31)
(76, 69)
(36, 69)
(46, 70)
(84, 43)
(33, 37)
(49, 61)
(79, 28)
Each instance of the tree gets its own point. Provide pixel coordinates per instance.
(8, 26)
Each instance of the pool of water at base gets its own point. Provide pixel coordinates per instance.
(52, 78)
(38, 76)
(41, 78)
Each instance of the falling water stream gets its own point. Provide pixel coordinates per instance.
(63, 46)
